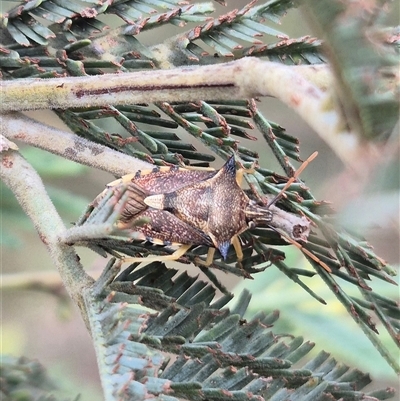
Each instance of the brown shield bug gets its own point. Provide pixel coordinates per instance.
(186, 207)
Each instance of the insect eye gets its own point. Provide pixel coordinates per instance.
(251, 224)
(298, 230)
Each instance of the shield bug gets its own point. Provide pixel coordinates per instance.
(186, 208)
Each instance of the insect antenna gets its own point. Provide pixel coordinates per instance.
(304, 250)
(291, 180)
(279, 195)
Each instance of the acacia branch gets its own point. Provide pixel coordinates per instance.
(16, 126)
(240, 79)
(28, 188)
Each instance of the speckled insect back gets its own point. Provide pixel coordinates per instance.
(216, 206)
(197, 207)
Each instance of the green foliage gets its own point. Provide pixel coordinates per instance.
(218, 354)
(215, 359)
(366, 76)
(230, 35)
(218, 126)
(87, 45)
(348, 257)
(300, 315)
(79, 19)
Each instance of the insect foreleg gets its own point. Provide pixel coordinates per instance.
(238, 248)
(209, 258)
(241, 172)
(211, 252)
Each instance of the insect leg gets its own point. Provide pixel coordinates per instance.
(197, 168)
(160, 258)
(240, 173)
(209, 259)
(211, 252)
(238, 248)
(210, 256)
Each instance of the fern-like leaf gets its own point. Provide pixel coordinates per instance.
(137, 317)
(368, 91)
(348, 258)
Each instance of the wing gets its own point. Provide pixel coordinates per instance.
(164, 182)
(134, 205)
(164, 179)
(166, 229)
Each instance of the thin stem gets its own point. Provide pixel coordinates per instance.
(245, 78)
(16, 126)
(240, 79)
(348, 304)
(28, 188)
